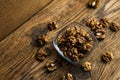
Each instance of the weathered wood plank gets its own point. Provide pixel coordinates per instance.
(17, 60)
(14, 13)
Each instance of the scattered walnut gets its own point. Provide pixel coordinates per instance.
(51, 66)
(41, 40)
(114, 27)
(91, 22)
(74, 43)
(100, 34)
(41, 55)
(98, 28)
(108, 56)
(86, 66)
(51, 26)
(93, 3)
(68, 76)
(104, 22)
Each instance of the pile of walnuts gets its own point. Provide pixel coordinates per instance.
(75, 43)
(99, 27)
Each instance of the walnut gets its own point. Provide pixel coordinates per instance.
(93, 3)
(114, 27)
(100, 34)
(104, 22)
(91, 22)
(41, 55)
(86, 66)
(87, 47)
(68, 76)
(82, 32)
(75, 58)
(81, 39)
(108, 56)
(51, 66)
(51, 26)
(41, 40)
(80, 55)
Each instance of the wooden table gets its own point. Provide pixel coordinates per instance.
(17, 49)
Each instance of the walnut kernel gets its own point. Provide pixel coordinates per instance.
(41, 40)
(100, 34)
(51, 26)
(114, 27)
(86, 66)
(41, 55)
(68, 76)
(51, 66)
(108, 56)
(93, 3)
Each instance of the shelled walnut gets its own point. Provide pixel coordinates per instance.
(93, 3)
(75, 42)
(41, 55)
(51, 66)
(114, 27)
(104, 22)
(68, 76)
(51, 26)
(108, 56)
(86, 66)
(41, 40)
(91, 23)
(100, 34)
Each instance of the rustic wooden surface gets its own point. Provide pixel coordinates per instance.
(13, 13)
(17, 50)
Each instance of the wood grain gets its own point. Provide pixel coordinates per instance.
(17, 51)
(14, 13)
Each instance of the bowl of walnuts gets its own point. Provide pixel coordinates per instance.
(74, 42)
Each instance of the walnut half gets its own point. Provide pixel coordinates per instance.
(68, 76)
(114, 27)
(108, 56)
(100, 34)
(93, 3)
(51, 66)
(41, 55)
(41, 40)
(86, 66)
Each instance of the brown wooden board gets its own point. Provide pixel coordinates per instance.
(13, 13)
(17, 51)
